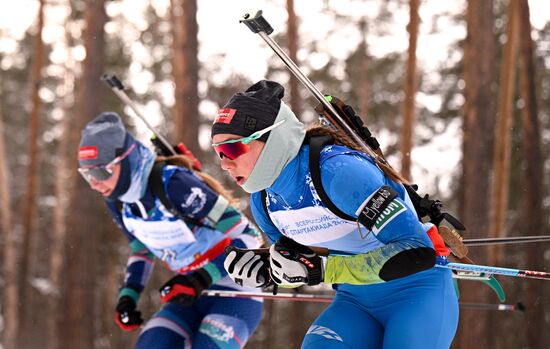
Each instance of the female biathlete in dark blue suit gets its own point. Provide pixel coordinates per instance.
(189, 238)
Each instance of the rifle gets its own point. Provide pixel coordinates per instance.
(162, 146)
(344, 118)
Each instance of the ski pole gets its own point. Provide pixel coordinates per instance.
(304, 297)
(441, 262)
(118, 88)
(500, 307)
(484, 269)
(504, 241)
(299, 297)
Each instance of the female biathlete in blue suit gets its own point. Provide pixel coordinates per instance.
(188, 237)
(388, 292)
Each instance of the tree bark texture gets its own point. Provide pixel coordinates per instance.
(479, 77)
(10, 297)
(410, 90)
(532, 209)
(29, 208)
(292, 35)
(502, 147)
(82, 240)
(186, 73)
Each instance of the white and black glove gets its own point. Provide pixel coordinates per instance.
(247, 267)
(293, 264)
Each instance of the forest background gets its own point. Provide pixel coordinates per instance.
(457, 92)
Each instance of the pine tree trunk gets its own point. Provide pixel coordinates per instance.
(479, 77)
(10, 297)
(292, 35)
(363, 88)
(502, 148)
(62, 188)
(531, 209)
(82, 241)
(410, 89)
(186, 73)
(28, 214)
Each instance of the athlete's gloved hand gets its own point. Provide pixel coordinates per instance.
(246, 267)
(185, 289)
(293, 264)
(126, 315)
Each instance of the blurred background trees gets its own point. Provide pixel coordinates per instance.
(458, 95)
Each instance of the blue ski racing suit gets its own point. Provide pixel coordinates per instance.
(374, 306)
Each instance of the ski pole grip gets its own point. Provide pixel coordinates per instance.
(112, 81)
(230, 249)
(320, 251)
(257, 23)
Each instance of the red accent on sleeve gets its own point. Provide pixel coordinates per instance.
(211, 254)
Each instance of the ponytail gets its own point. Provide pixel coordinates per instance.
(341, 138)
(211, 182)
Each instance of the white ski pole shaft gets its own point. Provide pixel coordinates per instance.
(301, 297)
(505, 241)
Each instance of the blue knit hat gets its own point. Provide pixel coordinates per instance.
(102, 140)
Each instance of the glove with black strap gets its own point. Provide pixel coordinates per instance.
(293, 264)
(126, 315)
(246, 267)
(185, 289)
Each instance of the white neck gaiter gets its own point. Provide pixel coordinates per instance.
(281, 147)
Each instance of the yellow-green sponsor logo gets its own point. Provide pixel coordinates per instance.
(394, 209)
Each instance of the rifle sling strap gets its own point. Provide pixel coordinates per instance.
(157, 186)
(316, 144)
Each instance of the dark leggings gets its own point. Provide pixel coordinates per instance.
(211, 323)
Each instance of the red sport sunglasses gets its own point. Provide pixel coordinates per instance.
(233, 148)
